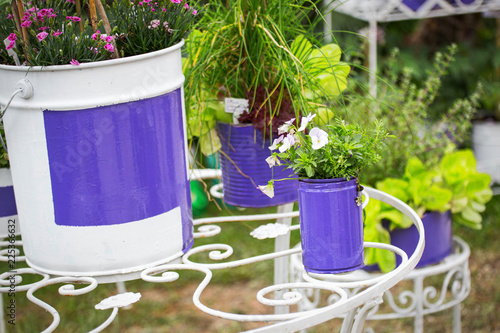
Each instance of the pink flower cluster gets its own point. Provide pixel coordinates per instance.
(37, 15)
(156, 23)
(34, 14)
(153, 5)
(12, 41)
(108, 39)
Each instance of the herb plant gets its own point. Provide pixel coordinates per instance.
(403, 108)
(339, 150)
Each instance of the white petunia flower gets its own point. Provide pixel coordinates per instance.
(305, 121)
(272, 161)
(288, 141)
(284, 128)
(267, 189)
(276, 142)
(318, 137)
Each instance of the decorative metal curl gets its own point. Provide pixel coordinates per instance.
(207, 231)
(294, 297)
(5, 247)
(459, 289)
(224, 251)
(65, 290)
(13, 279)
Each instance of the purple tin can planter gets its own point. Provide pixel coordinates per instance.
(331, 225)
(244, 167)
(438, 238)
(414, 4)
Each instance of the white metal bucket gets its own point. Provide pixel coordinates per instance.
(486, 146)
(98, 160)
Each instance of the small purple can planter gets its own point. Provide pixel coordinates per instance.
(438, 233)
(438, 238)
(244, 167)
(331, 225)
(98, 161)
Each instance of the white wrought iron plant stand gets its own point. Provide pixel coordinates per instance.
(416, 299)
(354, 307)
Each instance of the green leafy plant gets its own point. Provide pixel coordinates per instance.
(403, 107)
(455, 184)
(263, 51)
(341, 150)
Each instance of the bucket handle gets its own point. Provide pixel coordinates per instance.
(25, 89)
(367, 199)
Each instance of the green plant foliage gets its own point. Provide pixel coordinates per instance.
(263, 51)
(453, 185)
(403, 108)
(146, 26)
(341, 150)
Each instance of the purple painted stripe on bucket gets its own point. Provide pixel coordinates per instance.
(243, 164)
(331, 225)
(7, 201)
(120, 163)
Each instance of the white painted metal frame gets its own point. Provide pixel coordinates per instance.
(419, 299)
(353, 307)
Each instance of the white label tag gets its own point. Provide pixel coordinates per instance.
(236, 106)
(11, 52)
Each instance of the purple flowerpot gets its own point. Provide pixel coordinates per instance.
(438, 238)
(244, 167)
(414, 4)
(331, 225)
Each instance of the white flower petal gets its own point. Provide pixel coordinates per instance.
(267, 190)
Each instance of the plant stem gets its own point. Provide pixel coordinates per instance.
(107, 25)
(78, 12)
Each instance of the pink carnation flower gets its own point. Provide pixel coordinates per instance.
(95, 35)
(195, 12)
(42, 35)
(109, 47)
(11, 45)
(56, 33)
(74, 62)
(154, 24)
(73, 18)
(26, 23)
(12, 37)
(176, 1)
